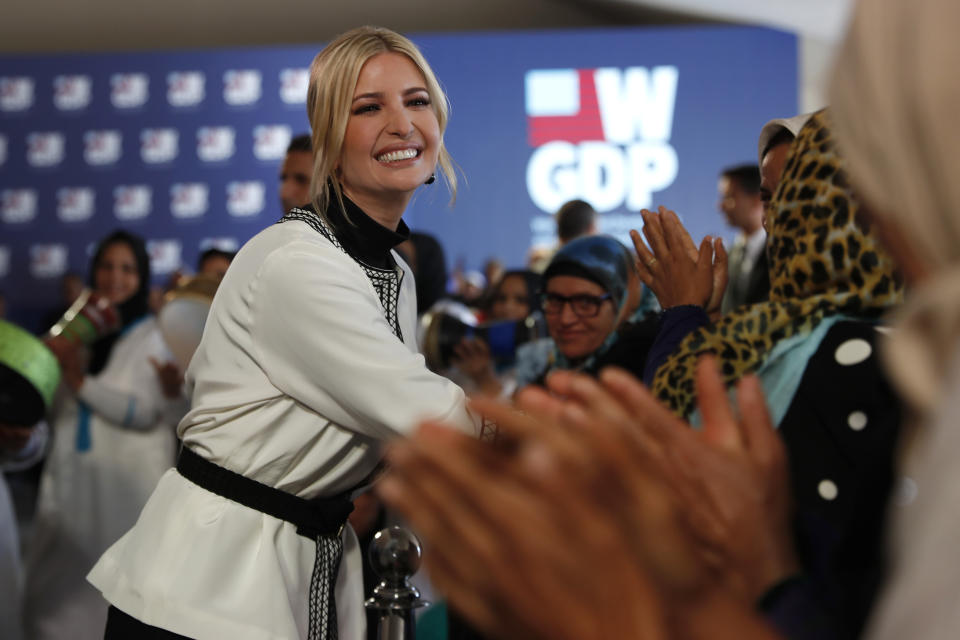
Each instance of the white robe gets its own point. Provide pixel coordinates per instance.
(298, 378)
(88, 499)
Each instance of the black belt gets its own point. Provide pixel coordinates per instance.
(320, 519)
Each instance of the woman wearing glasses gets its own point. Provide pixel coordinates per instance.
(590, 293)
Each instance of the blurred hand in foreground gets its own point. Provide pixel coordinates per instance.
(580, 522)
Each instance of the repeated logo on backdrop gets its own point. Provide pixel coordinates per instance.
(186, 88)
(71, 93)
(159, 145)
(184, 148)
(75, 204)
(16, 93)
(102, 147)
(18, 206)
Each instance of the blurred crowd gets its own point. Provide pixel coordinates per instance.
(690, 440)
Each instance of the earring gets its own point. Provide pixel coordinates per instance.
(431, 179)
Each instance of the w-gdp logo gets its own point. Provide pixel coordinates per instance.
(245, 199)
(129, 90)
(270, 141)
(45, 149)
(165, 255)
(215, 144)
(48, 260)
(602, 135)
(186, 88)
(71, 93)
(18, 205)
(189, 199)
(132, 202)
(241, 86)
(16, 93)
(102, 147)
(159, 145)
(293, 85)
(75, 204)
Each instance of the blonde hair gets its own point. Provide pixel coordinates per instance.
(333, 79)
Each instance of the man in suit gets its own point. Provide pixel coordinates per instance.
(742, 205)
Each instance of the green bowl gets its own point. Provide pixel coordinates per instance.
(29, 375)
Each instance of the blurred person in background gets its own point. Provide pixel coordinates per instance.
(589, 295)
(111, 441)
(513, 298)
(742, 206)
(295, 173)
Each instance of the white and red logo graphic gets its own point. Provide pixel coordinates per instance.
(159, 145)
(75, 204)
(18, 205)
(165, 255)
(293, 85)
(3, 150)
(189, 199)
(4, 261)
(16, 93)
(215, 144)
(186, 88)
(223, 243)
(48, 260)
(241, 86)
(102, 147)
(71, 93)
(245, 199)
(132, 201)
(129, 90)
(46, 148)
(270, 141)
(602, 135)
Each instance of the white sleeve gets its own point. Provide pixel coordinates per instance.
(138, 411)
(321, 337)
(131, 396)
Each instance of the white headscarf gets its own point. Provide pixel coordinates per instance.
(895, 99)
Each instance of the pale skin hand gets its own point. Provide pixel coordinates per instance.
(550, 533)
(472, 357)
(675, 269)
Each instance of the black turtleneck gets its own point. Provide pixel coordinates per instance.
(363, 237)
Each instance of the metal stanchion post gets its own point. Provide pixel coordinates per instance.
(395, 556)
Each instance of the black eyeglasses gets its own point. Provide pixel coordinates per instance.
(583, 305)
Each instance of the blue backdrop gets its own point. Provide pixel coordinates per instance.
(184, 147)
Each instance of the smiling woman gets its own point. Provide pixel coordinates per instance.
(308, 362)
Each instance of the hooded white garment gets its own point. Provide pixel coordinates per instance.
(895, 99)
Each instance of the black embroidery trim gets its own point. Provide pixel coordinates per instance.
(386, 282)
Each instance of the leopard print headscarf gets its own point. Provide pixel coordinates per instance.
(823, 260)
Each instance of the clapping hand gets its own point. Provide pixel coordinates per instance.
(676, 270)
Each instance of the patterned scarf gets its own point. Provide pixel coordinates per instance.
(823, 261)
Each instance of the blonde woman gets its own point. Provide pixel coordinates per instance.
(308, 362)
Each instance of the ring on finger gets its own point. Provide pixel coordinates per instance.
(651, 262)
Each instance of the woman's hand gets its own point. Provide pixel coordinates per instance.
(72, 357)
(170, 378)
(472, 357)
(728, 480)
(675, 269)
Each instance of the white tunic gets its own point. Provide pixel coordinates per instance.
(297, 379)
(89, 496)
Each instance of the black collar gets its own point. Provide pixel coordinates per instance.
(363, 237)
